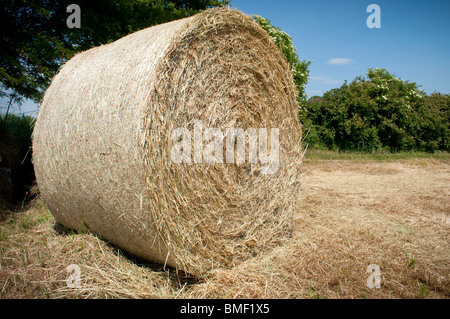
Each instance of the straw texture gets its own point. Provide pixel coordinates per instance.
(102, 142)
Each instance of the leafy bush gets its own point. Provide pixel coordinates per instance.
(380, 112)
(434, 123)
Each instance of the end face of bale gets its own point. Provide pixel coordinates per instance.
(218, 69)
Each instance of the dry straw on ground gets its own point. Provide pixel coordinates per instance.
(102, 142)
(352, 214)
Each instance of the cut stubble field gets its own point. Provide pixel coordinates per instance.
(392, 213)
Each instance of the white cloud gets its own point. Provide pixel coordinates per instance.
(324, 79)
(340, 61)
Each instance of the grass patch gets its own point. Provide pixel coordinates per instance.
(424, 291)
(411, 260)
(32, 218)
(380, 156)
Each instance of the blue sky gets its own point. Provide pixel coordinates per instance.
(413, 42)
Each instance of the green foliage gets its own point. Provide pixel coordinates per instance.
(434, 122)
(411, 260)
(37, 40)
(19, 129)
(424, 291)
(299, 68)
(380, 112)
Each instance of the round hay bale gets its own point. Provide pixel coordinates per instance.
(103, 142)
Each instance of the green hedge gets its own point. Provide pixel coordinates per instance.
(379, 112)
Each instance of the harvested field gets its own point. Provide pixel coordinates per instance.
(394, 214)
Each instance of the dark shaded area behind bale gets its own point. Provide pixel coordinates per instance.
(16, 168)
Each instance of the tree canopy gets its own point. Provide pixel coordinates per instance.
(36, 40)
